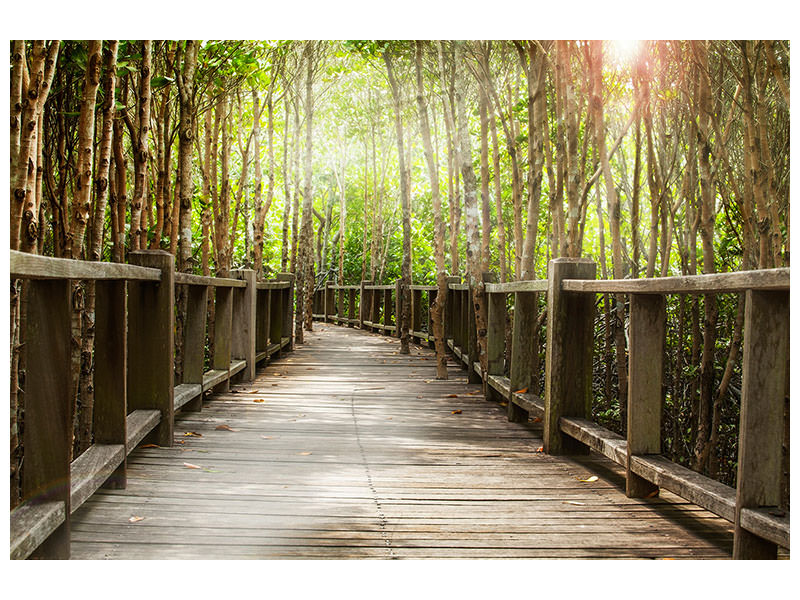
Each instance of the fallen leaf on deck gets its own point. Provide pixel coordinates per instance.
(455, 412)
(309, 368)
(274, 385)
(224, 428)
(191, 466)
(254, 392)
(427, 380)
(540, 449)
(503, 403)
(522, 391)
(266, 437)
(277, 374)
(536, 420)
(192, 434)
(304, 453)
(258, 400)
(451, 396)
(135, 519)
(149, 446)
(588, 480)
(574, 503)
(652, 494)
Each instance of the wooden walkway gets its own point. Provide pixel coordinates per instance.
(346, 449)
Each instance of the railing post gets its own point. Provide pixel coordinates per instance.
(47, 436)
(431, 299)
(645, 367)
(523, 347)
(223, 321)
(765, 356)
(473, 376)
(416, 314)
(398, 306)
(274, 321)
(387, 311)
(151, 342)
(287, 305)
(111, 373)
(495, 337)
(449, 309)
(375, 301)
(243, 330)
(351, 307)
(568, 362)
(194, 340)
(363, 305)
(263, 314)
(340, 308)
(457, 322)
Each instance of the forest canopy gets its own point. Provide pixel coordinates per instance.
(376, 160)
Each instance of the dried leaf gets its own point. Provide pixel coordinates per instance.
(191, 466)
(522, 391)
(254, 392)
(135, 519)
(274, 385)
(536, 420)
(451, 396)
(266, 437)
(224, 428)
(149, 446)
(258, 400)
(192, 434)
(652, 494)
(305, 453)
(455, 412)
(574, 503)
(540, 449)
(503, 403)
(589, 479)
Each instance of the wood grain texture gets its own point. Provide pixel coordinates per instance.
(370, 457)
(33, 266)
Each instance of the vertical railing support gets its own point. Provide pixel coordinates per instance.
(263, 314)
(351, 307)
(47, 436)
(495, 338)
(764, 362)
(330, 301)
(523, 348)
(287, 307)
(646, 366)
(243, 329)
(375, 303)
(364, 304)
(194, 340)
(151, 342)
(398, 306)
(387, 311)
(473, 375)
(111, 373)
(449, 309)
(568, 363)
(223, 321)
(416, 315)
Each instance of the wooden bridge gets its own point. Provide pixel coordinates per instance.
(344, 448)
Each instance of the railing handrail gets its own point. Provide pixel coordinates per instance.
(192, 279)
(24, 265)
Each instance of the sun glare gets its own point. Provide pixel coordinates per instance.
(624, 52)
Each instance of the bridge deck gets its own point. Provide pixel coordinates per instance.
(346, 449)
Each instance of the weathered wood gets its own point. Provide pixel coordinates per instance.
(764, 279)
(351, 308)
(111, 371)
(330, 301)
(568, 361)
(151, 321)
(32, 524)
(598, 438)
(533, 285)
(187, 393)
(767, 523)
(272, 285)
(364, 304)
(275, 332)
(243, 327)
(262, 322)
(287, 304)
(449, 315)
(33, 266)
(764, 361)
(202, 280)
(223, 322)
(91, 469)
(523, 348)
(47, 436)
(194, 342)
(473, 351)
(645, 374)
(375, 296)
(398, 306)
(416, 314)
(388, 307)
(456, 319)
(432, 294)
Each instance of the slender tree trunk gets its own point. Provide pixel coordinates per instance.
(140, 148)
(438, 222)
(501, 227)
(405, 316)
(486, 220)
(287, 193)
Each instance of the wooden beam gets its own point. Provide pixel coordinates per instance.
(194, 342)
(34, 266)
(523, 349)
(243, 326)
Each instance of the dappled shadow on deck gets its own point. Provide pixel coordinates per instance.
(347, 449)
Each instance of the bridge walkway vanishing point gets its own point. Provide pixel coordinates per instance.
(347, 449)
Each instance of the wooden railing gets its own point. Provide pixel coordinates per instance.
(565, 407)
(136, 395)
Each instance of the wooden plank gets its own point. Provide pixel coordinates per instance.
(194, 345)
(111, 371)
(32, 524)
(191, 279)
(424, 288)
(765, 358)
(276, 285)
(768, 523)
(530, 403)
(151, 322)
(243, 325)
(213, 378)
(694, 487)
(568, 362)
(186, 392)
(596, 437)
(533, 285)
(138, 424)
(763, 279)
(524, 351)
(23, 265)
(91, 469)
(648, 318)
(47, 435)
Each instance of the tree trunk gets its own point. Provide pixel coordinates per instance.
(137, 236)
(405, 316)
(438, 223)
